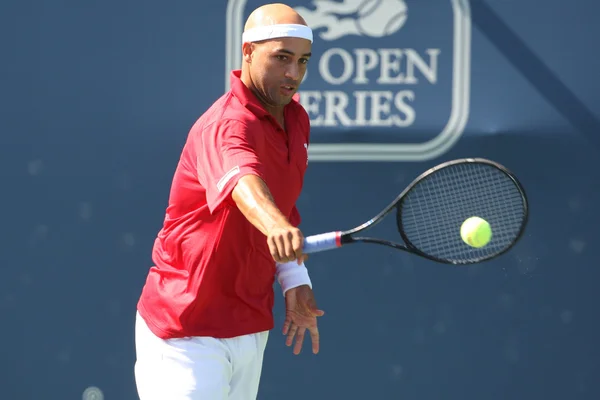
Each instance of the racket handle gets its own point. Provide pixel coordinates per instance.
(321, 242)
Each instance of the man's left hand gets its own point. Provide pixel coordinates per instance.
(301, 314)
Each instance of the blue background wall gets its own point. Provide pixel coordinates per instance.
(96, 101)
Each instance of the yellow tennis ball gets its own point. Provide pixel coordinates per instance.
(476, 232)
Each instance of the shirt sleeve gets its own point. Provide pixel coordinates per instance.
(225, 151)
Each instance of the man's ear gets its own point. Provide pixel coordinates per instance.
(247, 49)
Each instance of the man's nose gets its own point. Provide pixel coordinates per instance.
(292, 71)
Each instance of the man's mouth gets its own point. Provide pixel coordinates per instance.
(288, 89)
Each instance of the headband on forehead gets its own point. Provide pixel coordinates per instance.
(277, 31)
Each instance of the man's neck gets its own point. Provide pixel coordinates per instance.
(275, 111)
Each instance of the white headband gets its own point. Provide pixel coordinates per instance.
(276, 31)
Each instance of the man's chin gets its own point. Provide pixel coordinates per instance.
(288, 99)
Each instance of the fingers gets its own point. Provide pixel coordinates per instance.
(318, 313)
(285, 244)
(281, 248)
(299, 340)
(297, 242)
(289, 249)
(311, 307)
(277, 248)
(314, 337)
(298, 333)
(286, 325)
(290, 334)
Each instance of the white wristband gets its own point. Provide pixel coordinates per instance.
(291, 275)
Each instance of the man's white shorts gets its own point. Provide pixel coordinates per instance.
(197, 367)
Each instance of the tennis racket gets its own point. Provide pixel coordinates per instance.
(431, 210)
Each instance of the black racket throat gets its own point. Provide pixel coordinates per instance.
(382, 242)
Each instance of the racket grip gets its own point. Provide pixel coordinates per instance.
(322, 242)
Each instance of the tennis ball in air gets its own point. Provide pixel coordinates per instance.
(476, 232)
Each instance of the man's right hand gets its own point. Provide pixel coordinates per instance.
(285, 244)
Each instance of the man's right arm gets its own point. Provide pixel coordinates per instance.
(253, 198)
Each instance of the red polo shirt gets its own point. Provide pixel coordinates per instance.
(213, 274)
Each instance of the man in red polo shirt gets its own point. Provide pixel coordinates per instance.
(231, 229)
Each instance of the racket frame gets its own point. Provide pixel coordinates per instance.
(348, 236)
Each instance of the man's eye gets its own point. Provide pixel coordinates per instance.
(281, 58)
(304, 60)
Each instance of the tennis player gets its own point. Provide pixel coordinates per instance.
(231, 230)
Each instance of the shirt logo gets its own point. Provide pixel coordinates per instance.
(227, 177)
(306, 148)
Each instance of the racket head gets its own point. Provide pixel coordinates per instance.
(431, 210)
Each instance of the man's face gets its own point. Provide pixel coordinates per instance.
(278, 67)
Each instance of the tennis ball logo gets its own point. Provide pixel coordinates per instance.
(378, 18)
(371, 18)
(476, 232)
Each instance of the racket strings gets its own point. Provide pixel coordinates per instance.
(433, 211)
